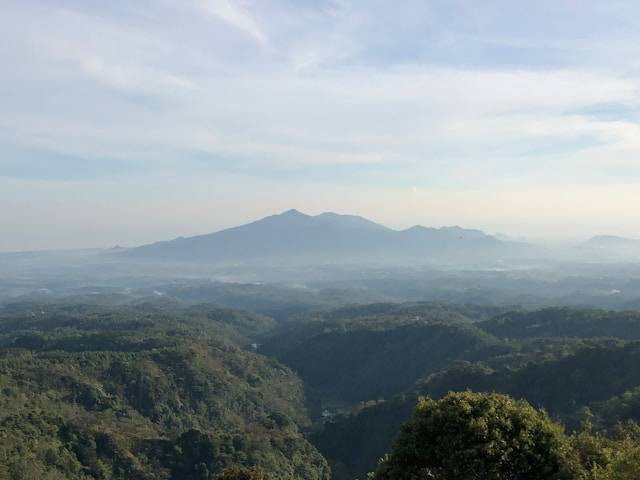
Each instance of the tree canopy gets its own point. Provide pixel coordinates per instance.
(471, 436)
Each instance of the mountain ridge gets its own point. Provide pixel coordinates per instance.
(611, 240)
(328, 236)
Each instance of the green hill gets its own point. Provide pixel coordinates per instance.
(95, 393)
(565, 322)
(376, 351)
(574, 374)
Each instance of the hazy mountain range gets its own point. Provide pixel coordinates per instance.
(331, 251)
(295, 236)
(612, 241)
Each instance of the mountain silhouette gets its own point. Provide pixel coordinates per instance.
(329, 236)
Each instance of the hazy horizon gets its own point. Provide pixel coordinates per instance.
(541, 240)
(132, 123)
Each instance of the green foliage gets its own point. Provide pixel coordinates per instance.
(35, 326)
(243, 473)
(353, 443)
(467, 436)
(370, 352)
(565, 322)
(136, 393)
(594, 373)
(563, 375)
(612, 457)
(617, 409)
(162, 391)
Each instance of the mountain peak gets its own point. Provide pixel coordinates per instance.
(292, 212)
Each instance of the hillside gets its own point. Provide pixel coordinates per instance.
(571, 371)
(92, 393)
(565, 322)
(163, 390)
(598, 383)
(375, 351)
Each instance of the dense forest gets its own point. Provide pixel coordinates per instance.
(89, 392)
(585, 375)
(163, 389)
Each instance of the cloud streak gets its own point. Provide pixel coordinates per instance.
(236, 17)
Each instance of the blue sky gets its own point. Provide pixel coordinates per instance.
(126, 122)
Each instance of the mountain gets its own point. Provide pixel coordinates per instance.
(612, 241)
(612, 246)
(328, 237)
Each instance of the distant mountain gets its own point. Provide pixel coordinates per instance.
(613, 246)
(295, 236)
(612, 241)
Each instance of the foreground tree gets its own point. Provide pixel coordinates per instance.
(612, 457)
(469, 436)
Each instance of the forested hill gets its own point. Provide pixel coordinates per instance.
(93, 393)
(374, 351)
(565, 322)
(159, 390)
(596, 382)
(578, 364)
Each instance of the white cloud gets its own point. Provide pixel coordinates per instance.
(332, 93)
(236, 16)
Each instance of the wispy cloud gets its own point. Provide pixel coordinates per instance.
(235, 15)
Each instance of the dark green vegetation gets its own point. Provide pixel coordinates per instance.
(243, 473)
(90, 392)
(565, 322)
(163, 388)
(361, 353)
(586, 374)
(469, 436)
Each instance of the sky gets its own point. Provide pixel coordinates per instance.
(129, 122)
